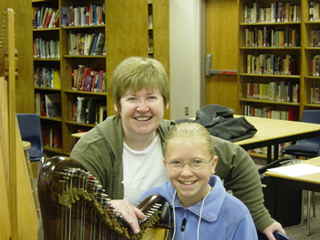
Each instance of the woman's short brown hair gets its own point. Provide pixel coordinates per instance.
(136, 73)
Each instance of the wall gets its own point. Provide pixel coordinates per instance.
(186, 46)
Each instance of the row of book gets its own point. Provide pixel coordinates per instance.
(43, 48)
(86, 44)
(271, 37)
(283, 91)
(88, 110)
(315, 65)
(51, 136)
(87, 79)
(45, 17)
(315, 38)
(315, 94)
(314, 10)
(290, 113)
(264, 12)
(48, 104)
(271, 64)
(47, 77)
(82, 15)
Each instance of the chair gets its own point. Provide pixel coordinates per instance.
(277, 235)
(310, 147)
(30, 130)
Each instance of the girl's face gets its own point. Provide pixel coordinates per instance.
(141, 112)
(189, 165)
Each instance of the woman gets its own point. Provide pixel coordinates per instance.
(125, 151)
(202, 208)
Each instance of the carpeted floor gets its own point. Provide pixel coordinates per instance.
(299, 232)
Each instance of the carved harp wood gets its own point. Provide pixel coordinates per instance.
(18, 214)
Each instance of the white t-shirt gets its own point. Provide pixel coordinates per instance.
(142, 170)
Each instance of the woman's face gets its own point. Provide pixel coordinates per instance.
(189, 165)
(141, 112)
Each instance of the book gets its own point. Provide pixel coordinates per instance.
(52, 105)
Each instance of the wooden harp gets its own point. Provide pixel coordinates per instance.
(74, 205)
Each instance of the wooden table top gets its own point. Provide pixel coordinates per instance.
(270, 129)
(26, 145)
(310, 178)
(78, 135)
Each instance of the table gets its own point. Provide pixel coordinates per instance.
(272, 132)
(26, 145)
(78, 135)
(309, 182)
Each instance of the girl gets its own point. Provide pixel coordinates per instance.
(202, 209)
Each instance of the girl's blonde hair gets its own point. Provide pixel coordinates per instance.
(191, 130)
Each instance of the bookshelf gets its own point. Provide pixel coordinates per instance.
(271, 53)
(74, 58)
(311, 30)
(291, 30)
(279, 63)
(47, 71)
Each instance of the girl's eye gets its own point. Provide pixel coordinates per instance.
(197, 161)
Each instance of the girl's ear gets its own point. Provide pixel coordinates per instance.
(164, 162)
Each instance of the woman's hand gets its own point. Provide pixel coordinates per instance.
(129, 212)
(274, 227)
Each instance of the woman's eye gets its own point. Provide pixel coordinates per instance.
(152, 97)
(175, 163)
(131, 99)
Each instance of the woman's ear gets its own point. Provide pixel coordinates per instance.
(116, 109)
(214, 164)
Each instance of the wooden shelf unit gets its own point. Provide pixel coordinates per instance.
(137, 32)
(311, 36)
(273, 48)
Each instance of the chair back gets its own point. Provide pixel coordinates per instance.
(312, 116)
(30, 129)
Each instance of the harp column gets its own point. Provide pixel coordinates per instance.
(187, 46)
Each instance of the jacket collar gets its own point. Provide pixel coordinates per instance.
(212, 203)
(112, 127)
